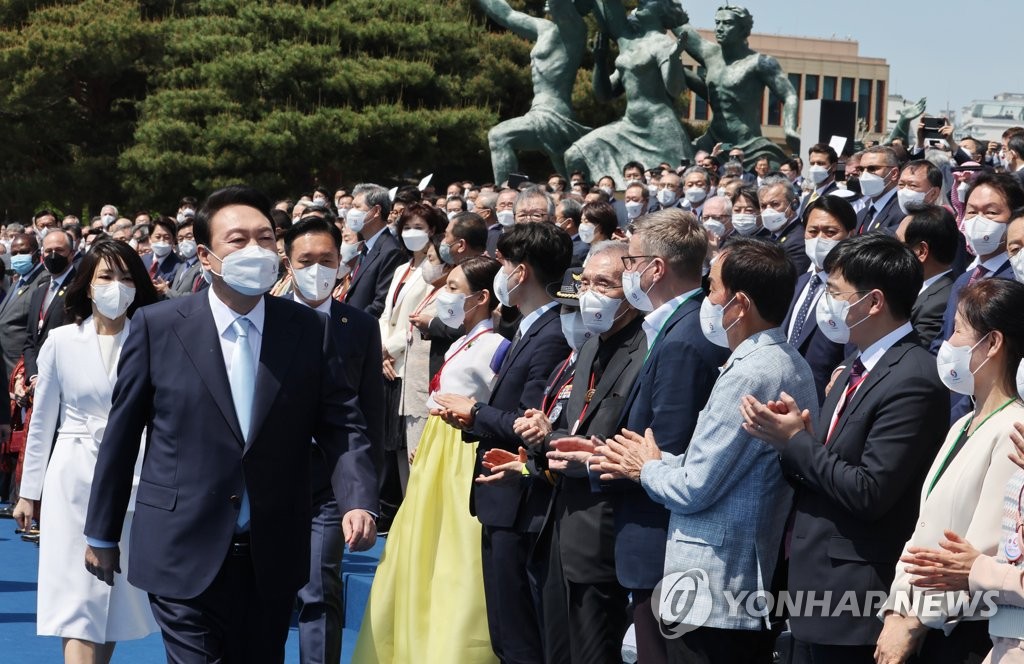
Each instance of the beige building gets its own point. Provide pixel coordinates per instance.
(818, 69)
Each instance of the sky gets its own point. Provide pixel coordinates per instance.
(903, 33)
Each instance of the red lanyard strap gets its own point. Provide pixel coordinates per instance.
(435, 382)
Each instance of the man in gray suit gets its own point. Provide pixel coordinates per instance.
(26, 261)
(727, 495)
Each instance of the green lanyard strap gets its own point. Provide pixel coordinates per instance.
(967, 425)
(662, 328)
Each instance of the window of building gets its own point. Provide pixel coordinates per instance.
(811, 86)
(829, 89)
(879, 106)
(846, 91)
(864, 100)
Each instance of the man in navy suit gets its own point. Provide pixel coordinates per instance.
(313, 248)
(662, 277)
(829, 220)
(164, 263)
(230, 386)
(821, 160)
(991, 202)
(880, 173)
(381, 253)
(46, 308)
(509, 505)
(779, 204)
(931, 233)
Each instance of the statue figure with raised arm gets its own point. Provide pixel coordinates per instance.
(734, 84)
(550, 125)
(649, 71)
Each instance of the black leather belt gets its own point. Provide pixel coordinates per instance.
(240, 545)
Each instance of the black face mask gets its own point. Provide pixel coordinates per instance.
(55, 263)
(853, 184)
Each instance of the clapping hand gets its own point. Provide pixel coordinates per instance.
(1017, 437)
(455, 409)
(570, 456)
(506, 467)
(776, 421)
(533, 427)
(624, 456)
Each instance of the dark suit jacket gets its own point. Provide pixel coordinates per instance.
(14, 317)
(168, 269)
(823, 355)
(586, 519)
(670, 391)
(172, 382)
(886, 221)
(792, 240)
(55, 316)
(580, 249)
(961, 403)
(518, 386)
(858, 496)
(805, 200)
(929, 309)
(357, 339)
(370, 285)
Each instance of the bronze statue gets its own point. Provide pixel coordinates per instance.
(550, 125)
(733, 85)
(648, 70)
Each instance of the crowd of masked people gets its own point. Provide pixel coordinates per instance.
(601, 420)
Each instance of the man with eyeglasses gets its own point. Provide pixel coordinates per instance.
(534, 205)
(859, 468)
(662, 277)
(880, 174)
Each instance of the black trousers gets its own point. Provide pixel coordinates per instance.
(233, 621)
(513, 617)
(320, 610)
(651, 644)
(815, 653)
(968, 643)
(710, 645)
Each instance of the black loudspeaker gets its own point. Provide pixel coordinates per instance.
(822, 119)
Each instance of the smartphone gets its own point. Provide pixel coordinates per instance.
(932, 126)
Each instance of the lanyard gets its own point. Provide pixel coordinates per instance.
(423, 305)
(545, 404)
(435, 382)
(401, 284)
(586, 405)
(662, 328)
(967, 425)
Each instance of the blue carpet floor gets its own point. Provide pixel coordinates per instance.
(19, 643)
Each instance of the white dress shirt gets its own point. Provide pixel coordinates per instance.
(654, 321)
(811, 317)
(529, 320)
(931, 280)
(224, 316)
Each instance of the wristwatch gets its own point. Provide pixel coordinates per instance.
(477, 405)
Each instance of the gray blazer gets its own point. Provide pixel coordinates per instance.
(727, 495)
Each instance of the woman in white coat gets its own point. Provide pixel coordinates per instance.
(77, 372)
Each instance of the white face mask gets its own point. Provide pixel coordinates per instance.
(818, 173)
(598, 311)
(160, 249)
(635, 294)
(355, 219)
(831, 317)
(910, 200)
(954, 366)
(453, 214)
(349, 250)
(187, 249)
(1017, 263)
(432, 271)
(817, 249)
(773, 220)
(711, 322)
(315, 282)
(633, 209)
(652, 189)
(249, 271)
(113, 299)
(451, 308)
(501, 289)
(107, 219)
(1020, 379)
(696, 195)
(506, 218)
(714, 227)
(871, 184)
(575, 333)
(667, 197)
(586, 231)
(415, 238)
(984, 235)
(609, 191)
(745, 224)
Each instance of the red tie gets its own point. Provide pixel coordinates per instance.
(979, 273)
(152, 269)
(857, 375)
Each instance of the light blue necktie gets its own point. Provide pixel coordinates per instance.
(243, 382)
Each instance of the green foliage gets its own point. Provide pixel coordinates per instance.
(142, 101)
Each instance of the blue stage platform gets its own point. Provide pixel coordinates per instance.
(19, 643)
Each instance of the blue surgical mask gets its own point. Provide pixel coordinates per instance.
(22, 264)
